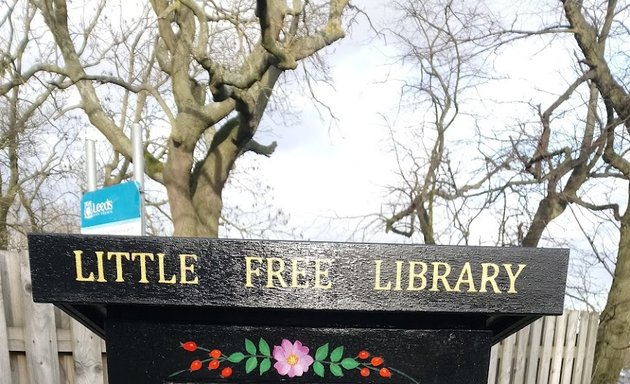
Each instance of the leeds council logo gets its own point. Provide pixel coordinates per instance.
(91, 210)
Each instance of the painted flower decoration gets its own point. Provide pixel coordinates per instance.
(292, 359)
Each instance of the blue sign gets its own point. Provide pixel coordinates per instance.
(112, 210)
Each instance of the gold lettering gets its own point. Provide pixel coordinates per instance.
(487, 278)
(100, 267)
(119, 266)
(437, 276)
(513, 276)
(277, 273)
(465, 277)
(249, 271)
(143, 264)
(78, 263)
(322, 273)
(399, 265)
(413, 276)
(298, 273)
(184, 269)
(163, 280)
(377, 278)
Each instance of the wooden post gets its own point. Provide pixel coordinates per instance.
(40, 336)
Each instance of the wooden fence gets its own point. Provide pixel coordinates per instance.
(38, 343)
(552, 350)
(41, 345)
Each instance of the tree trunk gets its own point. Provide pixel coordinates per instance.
(4, 227)
(549, 208)
(177, 183)
(613, 335)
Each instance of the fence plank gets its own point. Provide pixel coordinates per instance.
(105, 378)
(558, 349)
(520, 359)
(64, 340)
(535, 337)
(506, 360)
(5, 363)
(580, 351)
(547, 346)
(40, 336)
(88, 367)
(590, 344)
(15, 314)
(569, 349)
(492, 370)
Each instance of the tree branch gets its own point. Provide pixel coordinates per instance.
(271, 15)
(594, 207)
(260, 149)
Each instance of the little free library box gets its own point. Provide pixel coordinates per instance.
(190, 310)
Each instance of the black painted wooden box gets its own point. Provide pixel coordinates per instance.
(189, 310)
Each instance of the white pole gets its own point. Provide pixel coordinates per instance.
(138, 168)
(90, 154)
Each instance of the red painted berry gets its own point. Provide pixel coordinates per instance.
(195, 365)
(190, 346)
(364, 354)
(226, 372)
(376, 361)
(213, 364)
(365, 372)
(384, 372)
(215, 353)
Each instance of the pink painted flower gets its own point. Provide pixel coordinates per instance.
(292, 359)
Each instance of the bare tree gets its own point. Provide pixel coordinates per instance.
(592, 31)
(446, 43)
(206, 71)
(577, 171)
(33, 146)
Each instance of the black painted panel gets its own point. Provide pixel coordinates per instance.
(142, 351)
(315, 275)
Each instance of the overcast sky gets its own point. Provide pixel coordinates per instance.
(322, 169)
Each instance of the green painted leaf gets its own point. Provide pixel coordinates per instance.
(318, 368)
(336, 354)
(265, 365)
(349, 363)
(263, 347)
(335, 369)
(236, 357)
(250, 347)
(251, 364)
(321, 353)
